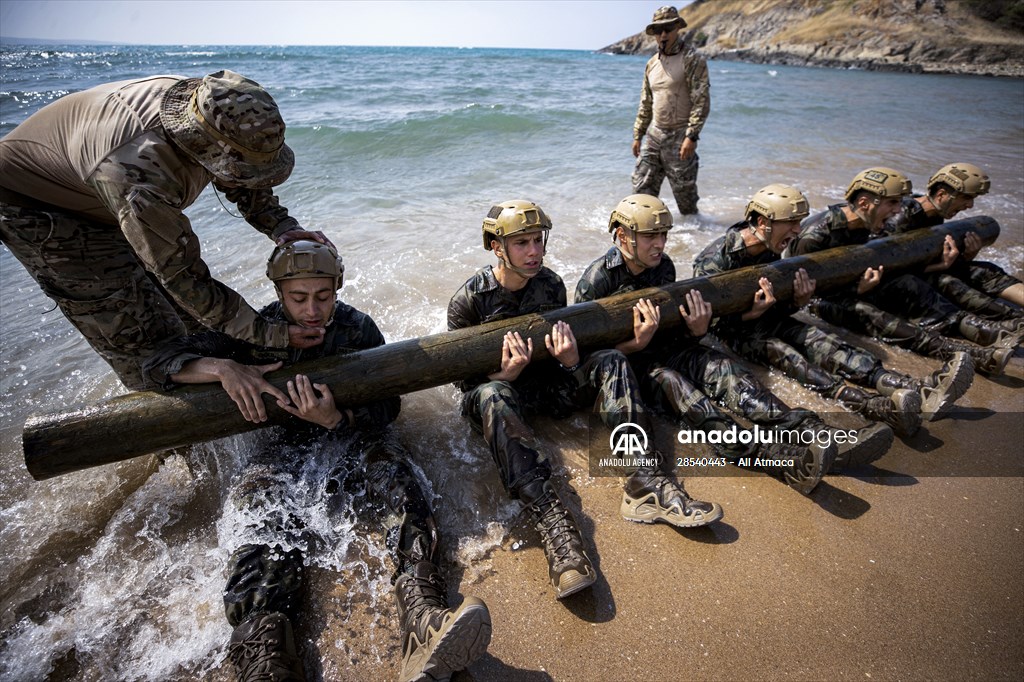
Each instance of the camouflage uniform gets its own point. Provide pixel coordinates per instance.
(497, 408)
(973, 285)
(674, 104)
(674, 363)
(890, 309)
(817, 359)
(92, 191)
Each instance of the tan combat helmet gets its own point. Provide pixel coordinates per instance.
(880, 181)
(303, 259)
(514, 217)
(641, 213)
(964, 178)
(778, 203)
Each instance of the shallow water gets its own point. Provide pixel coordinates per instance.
(400, 152)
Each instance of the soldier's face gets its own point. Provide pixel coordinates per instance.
(783, 232)
(308, 302)
(650, 247)
(666, 39)
(526, 251)
(951, 204)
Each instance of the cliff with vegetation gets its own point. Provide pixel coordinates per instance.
(984, 37)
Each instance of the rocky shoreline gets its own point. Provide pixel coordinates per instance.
(915, 36)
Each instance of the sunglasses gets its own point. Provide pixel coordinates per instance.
(664, 29)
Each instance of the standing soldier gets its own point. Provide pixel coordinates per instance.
(92, 189)
(905, 310)
(674, 105)
(264, 589)
(767, 333)
(517, 232)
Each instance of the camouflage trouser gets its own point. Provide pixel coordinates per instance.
(989, 278)
(497, 410)
(659, 157)
(264, 579)
(864, 318)
(727, 383)
(93, 275)
(912, 298)
(952, 287)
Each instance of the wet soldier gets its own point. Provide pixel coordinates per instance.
(679, 374)
(767, 333)
(92, 189)
(496, 404)
(957, 275)
(674, 104)
(264, 589)
(905, 310)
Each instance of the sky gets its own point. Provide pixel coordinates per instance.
(551, 24)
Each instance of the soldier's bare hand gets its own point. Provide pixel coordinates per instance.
(698, 317)
(315, 406)
(950, 252)
(515, 356)
(870, 279)
(305, 337)
(972, 245)
(764, 298)
(298, 233)
(562, 344)
(245, 385)
(803, 288)
(646, 318)
(687, 149)
(636, 148)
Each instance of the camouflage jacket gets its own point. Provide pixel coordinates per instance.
(609, 275)
(911, 217)
(349, 331)
(827, 230)
(729, 252)
(102, 153)
(676, 93)
(482, 299)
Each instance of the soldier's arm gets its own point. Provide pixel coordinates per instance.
(700, 98)
(645, 112)
(261, 209)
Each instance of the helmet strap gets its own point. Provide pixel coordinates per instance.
(506, 263)
(763, 238)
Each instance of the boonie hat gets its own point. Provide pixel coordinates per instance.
(231, 126)
(665, 17)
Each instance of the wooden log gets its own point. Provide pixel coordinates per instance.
(146, 422)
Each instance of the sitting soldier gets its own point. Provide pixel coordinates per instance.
(264, 588)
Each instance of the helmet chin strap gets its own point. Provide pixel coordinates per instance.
(632, 242)
(508, 264)
(763, 238)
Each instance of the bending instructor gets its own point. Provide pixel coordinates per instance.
(92, 189)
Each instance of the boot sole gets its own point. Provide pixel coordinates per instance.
(460, 644)
(1001, 357)
(941, 398)
(908, 410)
(870, 449)
(647, 510)
(823, 459)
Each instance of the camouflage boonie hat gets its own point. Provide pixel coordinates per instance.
(231, 126)
(665, 17)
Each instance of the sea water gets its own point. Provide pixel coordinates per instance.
(116, 572)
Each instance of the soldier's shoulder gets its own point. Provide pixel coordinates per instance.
(482, 281)
(549, 277)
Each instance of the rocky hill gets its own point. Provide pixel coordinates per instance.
(936, 36)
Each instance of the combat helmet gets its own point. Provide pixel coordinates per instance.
(778, 202)
(305, 258)
(964, 178)
(881, 181)
(514, 217)
(641, 213)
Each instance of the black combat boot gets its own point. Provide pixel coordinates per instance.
(437, 640)
(901, 410)
(860, 447)
(939, 390)
(652, 495)
(990, 361)
(800, 466)
(569, 568)
(262, 649)
(992, 333)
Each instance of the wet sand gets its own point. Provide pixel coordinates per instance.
(879, 575)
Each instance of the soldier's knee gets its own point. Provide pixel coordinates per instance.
(262, 579)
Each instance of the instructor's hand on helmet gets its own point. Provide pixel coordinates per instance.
(305, 337)
(297, 234)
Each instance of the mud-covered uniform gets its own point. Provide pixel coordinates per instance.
(893, 309)
(674, 104)
(973, 285)
(677, 372)
(497, 408)
(817, 359)
(262, 579)
(91, 197)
